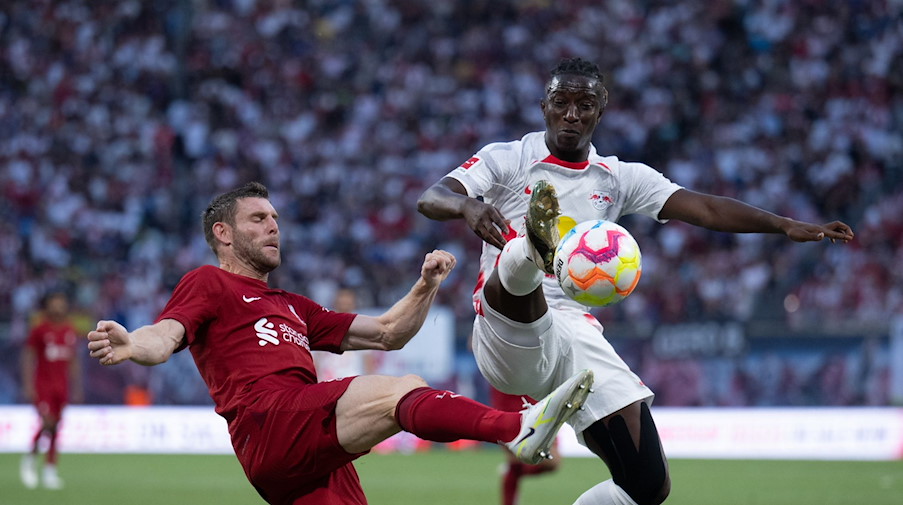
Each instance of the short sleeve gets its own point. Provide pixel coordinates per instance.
(645, 190)
(32, 339)
(325, 329)
(482, 172)
(193, 303)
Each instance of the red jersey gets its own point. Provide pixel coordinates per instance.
(240, 330)
(54, 345)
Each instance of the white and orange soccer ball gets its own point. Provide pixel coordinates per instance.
(598, 263)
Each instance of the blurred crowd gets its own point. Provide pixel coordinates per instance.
(120, 120)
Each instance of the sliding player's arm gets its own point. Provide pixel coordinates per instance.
(149, 345)
(395, 327)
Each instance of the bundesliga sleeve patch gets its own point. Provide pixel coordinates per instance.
(469, 163)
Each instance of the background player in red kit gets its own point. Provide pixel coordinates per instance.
(49, 362)
(295, 437)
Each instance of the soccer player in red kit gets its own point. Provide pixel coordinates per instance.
(295, 437)
(49, 361)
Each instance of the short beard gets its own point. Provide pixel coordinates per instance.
(246, 251)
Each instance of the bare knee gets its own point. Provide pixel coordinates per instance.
(404, 385)
(629, 444)
(523, 309)
(408, 383)
(665, 491)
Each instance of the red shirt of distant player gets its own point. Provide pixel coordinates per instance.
(54, 345)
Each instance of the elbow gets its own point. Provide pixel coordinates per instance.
(394, 345)
(395, 341)
(423, 206)
(151, 361)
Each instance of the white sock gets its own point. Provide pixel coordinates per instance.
(517, 270)
(605, 493)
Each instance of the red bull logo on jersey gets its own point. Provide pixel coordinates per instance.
(600, 200)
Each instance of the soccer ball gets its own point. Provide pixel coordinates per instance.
(598, 263)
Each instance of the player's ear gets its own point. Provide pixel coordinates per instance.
(222, 232)
(603, 101)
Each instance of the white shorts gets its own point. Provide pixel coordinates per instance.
(570, 340)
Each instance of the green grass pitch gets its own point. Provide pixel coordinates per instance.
(441, 477)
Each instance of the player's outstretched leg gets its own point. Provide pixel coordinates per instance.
(540, 422)
(542, 224)
(513, 288)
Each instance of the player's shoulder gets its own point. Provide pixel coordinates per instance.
(203, 271)
(205, 277)
(528, 143)
(39, 324)
(618, 166)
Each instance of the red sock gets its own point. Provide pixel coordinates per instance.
(510, 481)
(51, 450)
(536, 469)
(512, 477)
(35, 440)
(443, 416)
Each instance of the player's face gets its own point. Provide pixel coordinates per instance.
(572, 108)
(57, 306)
(255, 238)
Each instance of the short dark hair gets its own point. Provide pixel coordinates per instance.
(51, 294)
(222, 208)
(579, 66)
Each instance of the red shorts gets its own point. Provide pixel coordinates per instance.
(286, 441)
(51, 402)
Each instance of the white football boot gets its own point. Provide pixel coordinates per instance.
(28, 471)
(540, 422)
(50, 479)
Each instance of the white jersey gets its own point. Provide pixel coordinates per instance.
(603, 187)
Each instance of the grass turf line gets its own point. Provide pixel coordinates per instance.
(442, 477)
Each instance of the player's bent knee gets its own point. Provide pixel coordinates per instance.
(641, 471)
(408, 383)
(404, 385)
(647, 482)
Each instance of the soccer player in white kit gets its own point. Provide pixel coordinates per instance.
(528, 336)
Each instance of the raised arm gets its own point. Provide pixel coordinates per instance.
(395, 327)
(149, 345)
(727, 214)
(447, 199)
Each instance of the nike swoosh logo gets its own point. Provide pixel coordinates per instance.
(249, 299)
(528, 435)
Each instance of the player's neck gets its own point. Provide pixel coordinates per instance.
(578, 156)
(233, 266)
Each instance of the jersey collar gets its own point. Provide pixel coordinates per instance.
(579, 165)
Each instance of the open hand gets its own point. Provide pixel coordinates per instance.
(486, 221)
(808, 232)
